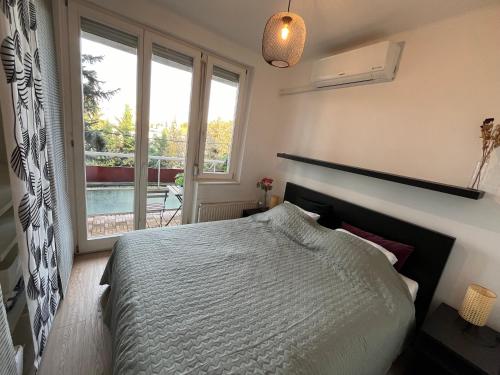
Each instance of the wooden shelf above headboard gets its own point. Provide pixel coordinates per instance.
(424, 184)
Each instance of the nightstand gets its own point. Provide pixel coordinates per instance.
(445, 346)
(253, 211)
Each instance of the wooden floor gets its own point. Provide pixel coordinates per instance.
(79, 342)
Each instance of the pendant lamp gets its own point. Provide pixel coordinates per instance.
(284, 38)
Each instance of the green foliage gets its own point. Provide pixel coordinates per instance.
(179, 179)
(218, 144)
(170, 140)
(120, 137)
(100, 134)
(93, 93)
(170, 143)
(219, 139)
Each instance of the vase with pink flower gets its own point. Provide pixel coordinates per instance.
(266, 184)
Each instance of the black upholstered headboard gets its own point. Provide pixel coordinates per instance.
(425, 264)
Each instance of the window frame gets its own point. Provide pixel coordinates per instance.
(70, 32)
(239, 119)
(150, 38)
(76, 12)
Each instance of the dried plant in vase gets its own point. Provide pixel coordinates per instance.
(490, 134)
(265, 184)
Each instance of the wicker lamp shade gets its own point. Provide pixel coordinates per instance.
(283, 40)
(275, 200)
(477, 304)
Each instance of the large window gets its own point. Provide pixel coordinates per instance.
(221, 125)
(151, 116)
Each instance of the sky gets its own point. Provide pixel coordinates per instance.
(170, 87)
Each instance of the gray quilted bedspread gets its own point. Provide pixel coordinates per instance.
(270, 294)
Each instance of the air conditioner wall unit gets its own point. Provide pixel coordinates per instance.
(371, 64)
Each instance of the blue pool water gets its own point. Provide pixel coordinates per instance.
(117, 200)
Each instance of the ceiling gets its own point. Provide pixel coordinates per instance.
(331, 24)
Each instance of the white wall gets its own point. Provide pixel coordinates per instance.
(424, 124)
(264, 96)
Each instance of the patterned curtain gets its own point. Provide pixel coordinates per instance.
(7, 355)
(63, 226)
(23, 117)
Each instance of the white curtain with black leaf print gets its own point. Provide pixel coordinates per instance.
(26, 140)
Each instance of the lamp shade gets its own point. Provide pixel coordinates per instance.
(283, 40)
(275, 200)
(477, 304)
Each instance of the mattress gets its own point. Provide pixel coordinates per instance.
(274, 293)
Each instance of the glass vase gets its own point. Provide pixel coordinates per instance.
(479, 175)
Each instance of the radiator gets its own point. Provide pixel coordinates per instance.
(223, 210)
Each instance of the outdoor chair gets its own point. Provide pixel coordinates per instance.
(157, 206)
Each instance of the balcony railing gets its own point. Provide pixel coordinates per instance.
(125, 173)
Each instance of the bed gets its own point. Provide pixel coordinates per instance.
(275, 293)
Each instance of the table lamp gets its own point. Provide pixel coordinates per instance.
(477, 305)
(475, 310)
(275, 200)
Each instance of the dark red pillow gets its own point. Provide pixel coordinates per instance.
(400, 250)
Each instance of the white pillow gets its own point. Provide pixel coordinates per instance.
(412, 286)
(390, 256)
(312, 215)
